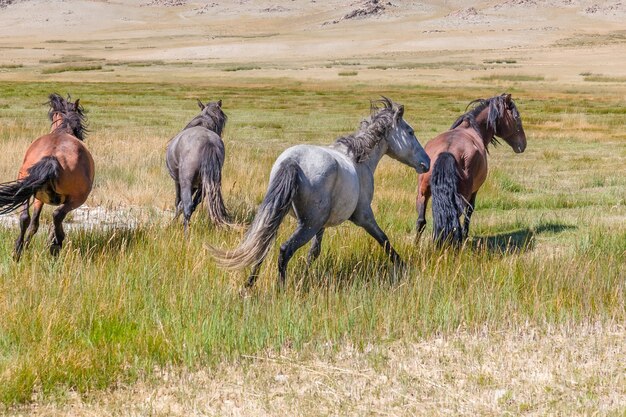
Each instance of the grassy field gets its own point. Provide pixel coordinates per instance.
(547, 246)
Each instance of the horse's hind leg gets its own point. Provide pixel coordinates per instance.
(34, 223)
(197, 199)
(178, 207)
(58, 234)
(254, 274)
(24, 221)
(300, 237)
(468, 215)
(316, 247)
(421, 204)
(187, 201)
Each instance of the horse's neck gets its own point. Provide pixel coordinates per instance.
(375, 156)
(56, 122)
(485, 132)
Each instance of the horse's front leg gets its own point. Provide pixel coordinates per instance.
(57, 234)
(366, 220)
(468, 215)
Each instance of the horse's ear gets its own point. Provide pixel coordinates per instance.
(507, 98)
(200, 104)
(76, 103)
(399, 112)
(219, 103)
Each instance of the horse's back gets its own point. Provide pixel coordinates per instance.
(76, 164)
(328, 185)
(468, 152)
(185, 150)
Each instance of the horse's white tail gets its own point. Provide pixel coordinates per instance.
(262, 231)
(211, 172)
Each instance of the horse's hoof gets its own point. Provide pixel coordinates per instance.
(245, 292)
(55, 249)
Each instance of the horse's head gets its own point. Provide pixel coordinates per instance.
(211, 117)
(402, 143)
(509, 126)
(64, 113)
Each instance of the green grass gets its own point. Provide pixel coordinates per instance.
(347, 73)
(604, 79)
(241, 68)
(511, 77)
(65, 59)
(547, 247)
(70, 68)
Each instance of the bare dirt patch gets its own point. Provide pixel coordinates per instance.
(166, 3)
(100, 218)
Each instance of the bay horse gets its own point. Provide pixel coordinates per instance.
(323, 186)
(57, 170)
(459, 159)
(194, 159)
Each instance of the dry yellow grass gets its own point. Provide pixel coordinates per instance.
(531, 371)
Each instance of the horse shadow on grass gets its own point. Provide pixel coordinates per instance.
(240, 213)
(333, 272)
(95, 243)
(516, 241)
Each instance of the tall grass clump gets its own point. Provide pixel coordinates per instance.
(70, 68)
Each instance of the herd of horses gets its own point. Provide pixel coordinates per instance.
(321, 186)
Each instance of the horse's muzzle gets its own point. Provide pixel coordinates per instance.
(422, 167)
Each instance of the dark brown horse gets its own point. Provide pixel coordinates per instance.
(459, 161)
(57, 169)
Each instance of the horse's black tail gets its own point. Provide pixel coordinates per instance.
(41, 175)
(447, 202)
(211, 173)
(262, 231)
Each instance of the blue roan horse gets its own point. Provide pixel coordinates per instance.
(194, 159)
(324, 186)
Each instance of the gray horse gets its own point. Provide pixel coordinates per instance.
(324, 186)
(194, 159)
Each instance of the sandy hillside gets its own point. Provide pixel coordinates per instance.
(436, 41)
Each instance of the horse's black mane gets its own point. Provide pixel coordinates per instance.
(372, 130)
(73, 114)
(211, 117)
(497, 107)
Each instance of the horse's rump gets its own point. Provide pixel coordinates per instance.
(40, 180)
(260, 235)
